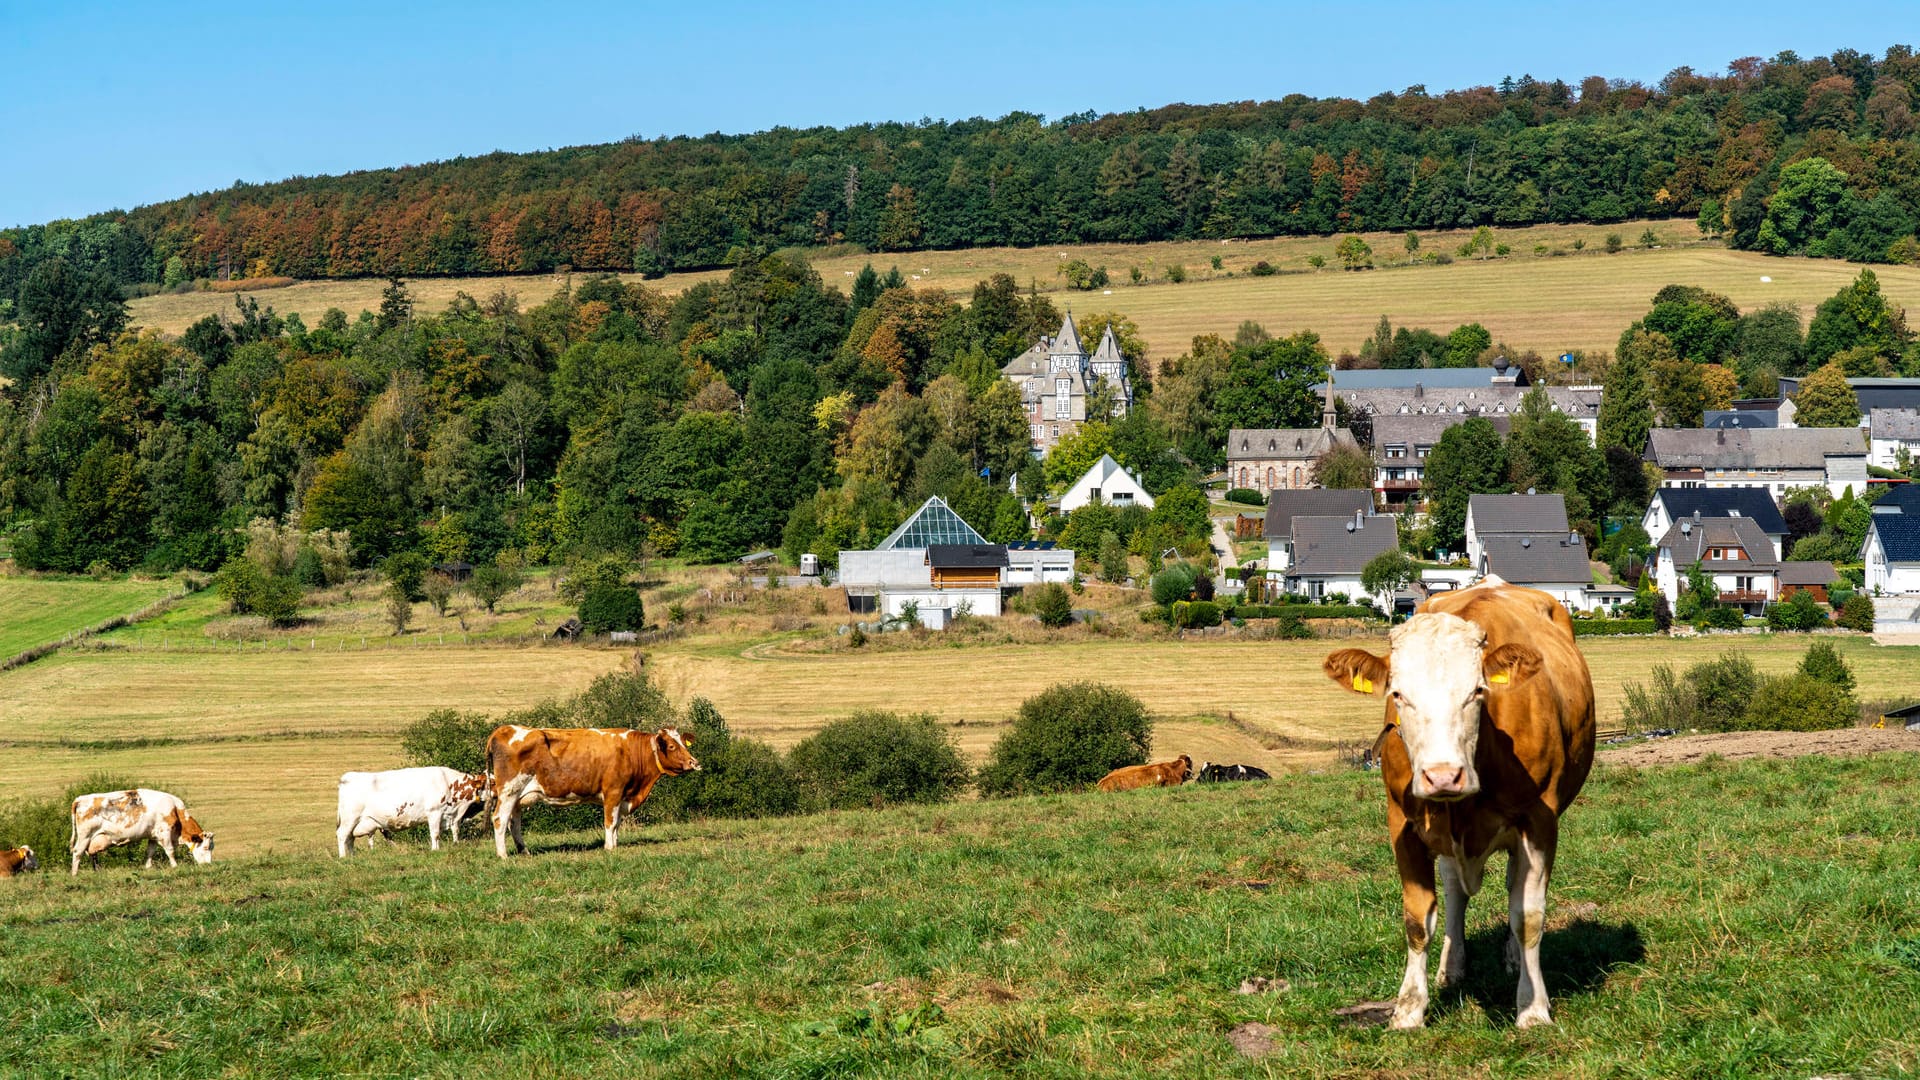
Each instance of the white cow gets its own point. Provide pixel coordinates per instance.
(379, 802)
(111, 818)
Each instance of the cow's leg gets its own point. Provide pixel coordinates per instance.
(1527, 916)
(344, 835)
(1516, 865)
(504, 809)
(519, 831)
(1453, 948)
(433, 830)
(79, 848)
(1417, 908)
(610, 813)
(453, 824)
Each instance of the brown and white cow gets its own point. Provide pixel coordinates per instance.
(377, 803)
(614, 767)
(467, 796)
(17, 861)
(1492, 705)
(1158, 774)
(111, 818)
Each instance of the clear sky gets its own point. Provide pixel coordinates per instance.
(107, 105)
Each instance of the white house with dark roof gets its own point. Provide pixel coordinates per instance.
(1401, 443)
(1105, 482)
(1512, 515)
(1892, 548)
(1055, 377)
(1890, 431)
(1284, 505)
(1670, 504)
(1554, 564)
(941, 566)
(1771, 458)
(1734, 552)
(1330, 552)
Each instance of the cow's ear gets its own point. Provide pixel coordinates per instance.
(1357, 670)
(1510, 663)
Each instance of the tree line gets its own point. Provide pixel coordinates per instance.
(1788, 154)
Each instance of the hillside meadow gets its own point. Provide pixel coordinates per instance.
(1713, 920)
(36, 611)
(1550, 303)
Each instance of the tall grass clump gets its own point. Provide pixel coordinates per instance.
(1068, 736)
(1729, 694)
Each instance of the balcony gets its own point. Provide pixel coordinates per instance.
(1745, 596)
(1397, 485)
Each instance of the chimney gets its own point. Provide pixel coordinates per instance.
(1720, 436)
(1419, 390)
(1359, 519)
(1573, 539)
(1696, 515)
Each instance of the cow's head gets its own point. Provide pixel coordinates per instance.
(675, 758)
(199, 841)
(1436, 679)
(1186, 768)
(27, 861)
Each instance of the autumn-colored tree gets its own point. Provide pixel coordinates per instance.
(1825, 400)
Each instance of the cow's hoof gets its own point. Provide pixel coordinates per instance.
(1534, 1017)
(1450, 976)
(1407, 1016)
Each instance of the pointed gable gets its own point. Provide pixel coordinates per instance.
(1067, 342)
(934, 523)
(1109, 350)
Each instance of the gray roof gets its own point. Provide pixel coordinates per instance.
(1518, 514)
(1413, 430)
(1896, 517)
(1543, 559)
(1579, 402)
(1871, 393)
(1747, 502)
(1689, 540)
(1332, 545)
(1740, 418)
(1285, 504)
(1431, 378)
(1805, 572)
(1894, 423)
(1259, 443)
(1067, 342)
(959, 555)
(1762, 448)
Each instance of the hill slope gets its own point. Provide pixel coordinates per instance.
(1082, 935)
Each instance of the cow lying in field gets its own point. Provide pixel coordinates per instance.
(17, 861)
(379, 802)
(1158, 774)
(613, 767)
(111, 818)
(1211, 773)
(1493, 707)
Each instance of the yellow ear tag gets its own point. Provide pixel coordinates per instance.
(1363, 684)
(1501, 678)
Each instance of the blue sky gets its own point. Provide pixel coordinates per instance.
(108, 105)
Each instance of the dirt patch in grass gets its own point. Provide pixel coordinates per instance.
(1737, 745)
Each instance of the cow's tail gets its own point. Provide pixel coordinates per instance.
(494, 755)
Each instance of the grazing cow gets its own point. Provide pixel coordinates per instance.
(380, 802)
(467, 797)
(1493, 706)
(17, 861)
(1159, 774)
(615, 767)
(110, 818)
(1211, 773)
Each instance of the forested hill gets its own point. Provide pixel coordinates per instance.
(1715, 146)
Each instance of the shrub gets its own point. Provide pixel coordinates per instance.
(1721, 617)
(1176, 273)
(1051, 604)
(1195, 614)
(46, 824)
(606, 608)
(1173, 583)
(1301, 611)
(1712, 696)
(247, 591)
(586, 574)
(1246, 495)
(308, 570)
(1068, 736)
(439, 590)
(1857, 613)
(1263, 268)
(489, 584)
(1799, 702)
(399, 607)
(448, 738)
(876, 758)
(738, 778)
(1614, 243)
(1612, 627)
(408, 570)
(1823, 662)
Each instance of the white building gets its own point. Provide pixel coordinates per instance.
(1889, 431)
(1512, 515)
(1734, 552)
(1284, 505)
(1105, 482)
(1670, 504)
(935, 562)
(1771, 458)
(1892, 550)
(1556, 564)
(1330, 553)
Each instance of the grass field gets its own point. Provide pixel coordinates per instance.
(1716, 920)
(36, 611)
(1550, 304)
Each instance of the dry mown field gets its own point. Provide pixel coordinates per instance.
(1550, 304)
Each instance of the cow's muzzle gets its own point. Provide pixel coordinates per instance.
(1446, 783)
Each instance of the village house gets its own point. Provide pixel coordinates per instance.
(1401, 443)
(1105, 482)
(1737, 556)
(1670, 504)
(1890, 432)
(939, 566)
(1772, 458)
(1330, 552)
(1436, 392)
(1514, 516)
(1892, 548)
(1056, 376)
(1284, 505)
(1871, 393)
(1556, 565)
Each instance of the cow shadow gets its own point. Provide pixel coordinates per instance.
(563, 847)
(1575, 959)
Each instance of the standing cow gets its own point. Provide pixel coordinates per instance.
(1493, 706)
(17, 861)
(380, 802)
(614, 767)
(110, 818)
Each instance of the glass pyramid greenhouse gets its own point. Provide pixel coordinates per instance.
(934, 523)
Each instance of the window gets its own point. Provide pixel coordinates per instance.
(1396, 450)
(1243, 476)
(1422, 449)
(1299, 476)
(1316, 589)
(1269, 476)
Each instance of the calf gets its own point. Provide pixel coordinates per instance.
(615, 767)
(380, 802)
(1211, 773)
(111, 818)
(17, 861)
(1159, 774)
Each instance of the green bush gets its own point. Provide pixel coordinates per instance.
(876, 758)
(309, 570)
(408, 570)
(1051, 604)
(248, 591)
(1302, 611)
(1857, 613)
(449, 738)
(1612, 627)
(1173, 583)
(1068, 736)
(1713, 696)
(1799, 703)
(1246, 495)
(1801, 612)
(738, 778)
(1720, 617)
(487, 584)
(1823, 662)
(46, 824)
(587, 574)
(1263, 268)
(606, 608)
(1195, 614)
